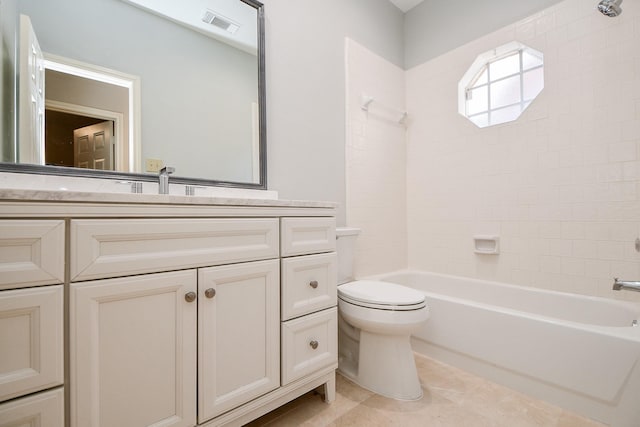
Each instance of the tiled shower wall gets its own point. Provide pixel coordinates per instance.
(375, 161)
(560, 186)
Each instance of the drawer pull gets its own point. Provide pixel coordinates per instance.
(210, 293)
(190, 296)
(313, 284)
(314, 344)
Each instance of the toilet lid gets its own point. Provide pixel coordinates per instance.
(380, 293)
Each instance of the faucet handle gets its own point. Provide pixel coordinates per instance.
(190, 190)
(167, 170)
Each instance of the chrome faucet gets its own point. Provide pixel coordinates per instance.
(626, 285)
(163, 179)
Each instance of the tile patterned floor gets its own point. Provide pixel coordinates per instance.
(452, 398)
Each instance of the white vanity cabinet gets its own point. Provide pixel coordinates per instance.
(133, 339)
(31, 321)
(179, 314)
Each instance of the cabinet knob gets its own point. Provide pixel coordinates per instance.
(313, 284)
(210, 293)
(190, 296)
(314, 344)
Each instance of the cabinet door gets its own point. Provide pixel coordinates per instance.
(133, 351)
(44, 409)
(31, 340)
(238, 335)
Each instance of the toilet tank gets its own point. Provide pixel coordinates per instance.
(345, 247)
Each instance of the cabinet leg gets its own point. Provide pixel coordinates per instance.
(330, 390)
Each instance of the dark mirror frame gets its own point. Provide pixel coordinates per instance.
(177, 179)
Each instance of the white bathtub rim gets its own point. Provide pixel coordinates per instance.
(627, 332)
(625, 304)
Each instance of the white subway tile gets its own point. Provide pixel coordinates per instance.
(573, 230)
(558, 247)
(551, 264)
(624, 151)
(631, 131)
(625, 270)
(598, 268)
(585, 249)
(573, 266)
(608, 250)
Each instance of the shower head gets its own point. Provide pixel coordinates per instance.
(611, 8)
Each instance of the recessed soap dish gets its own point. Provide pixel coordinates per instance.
(486, 245)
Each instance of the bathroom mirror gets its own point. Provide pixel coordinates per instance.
(187, 89)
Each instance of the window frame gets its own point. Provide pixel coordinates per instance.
(482, 64)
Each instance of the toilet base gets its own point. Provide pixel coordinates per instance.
(386, 366)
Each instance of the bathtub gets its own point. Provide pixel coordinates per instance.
(578, 352)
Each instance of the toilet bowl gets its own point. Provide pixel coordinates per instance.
(376, 321)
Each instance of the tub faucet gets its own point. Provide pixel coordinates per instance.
(626, 285)
(163, 179)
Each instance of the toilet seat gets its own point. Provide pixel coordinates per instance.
(381, 295)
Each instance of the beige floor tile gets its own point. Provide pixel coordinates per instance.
(508, 407)
(568, 419)
(452, 398)
(313, 411)
(362, 416)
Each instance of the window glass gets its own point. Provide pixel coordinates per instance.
(505, 92)
(477, 100)
(505, 66)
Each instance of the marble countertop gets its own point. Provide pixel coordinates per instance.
(16, 194)
(52, 188)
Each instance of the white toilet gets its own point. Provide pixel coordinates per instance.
(375, 322)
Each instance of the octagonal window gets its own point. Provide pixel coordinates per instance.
(501, 84)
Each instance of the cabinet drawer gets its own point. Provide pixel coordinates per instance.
(301, 236)
(31, 340)
(43, 409)
(121, 247)
(300, 336)
(31, 253)
(309, 283)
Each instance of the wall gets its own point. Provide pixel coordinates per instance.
(375, 161)
(305, 88)
(433, 27)
(560, 185)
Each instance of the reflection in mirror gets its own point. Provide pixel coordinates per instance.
(187, 90)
